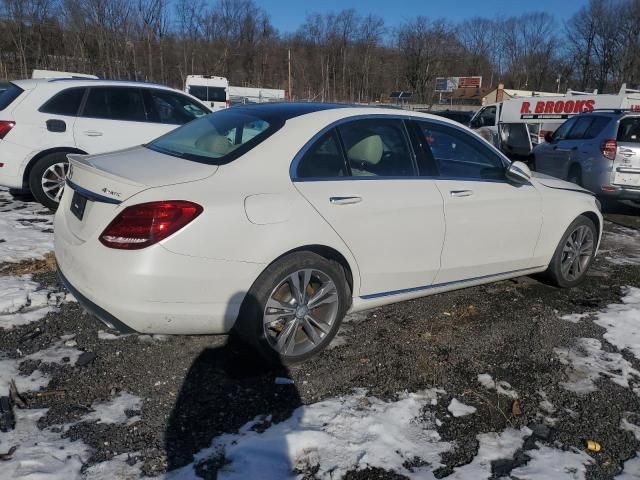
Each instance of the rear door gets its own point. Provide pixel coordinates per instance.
(627, 162)
(361, 177)
(113, 118)
(492, 226)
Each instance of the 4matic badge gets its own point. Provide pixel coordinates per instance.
(111, 192)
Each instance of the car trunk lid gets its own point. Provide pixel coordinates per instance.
(98, 184)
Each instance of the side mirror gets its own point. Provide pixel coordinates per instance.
(548, 137)
(518, 172)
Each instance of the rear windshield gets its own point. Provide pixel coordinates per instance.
(208, 94)
(9, 95)
(629, 130)
(217, 138)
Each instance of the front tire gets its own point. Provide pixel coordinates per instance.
(295, 307)
(574, 254)
(47, 179)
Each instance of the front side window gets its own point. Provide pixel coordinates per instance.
(323, 160)
(169, 107)
(217, 138)
(377, 147)
(115, 103)
(580, 128)
(562, 131)
(629, 130)
(458, 155)
(66, 102)
(208, 94)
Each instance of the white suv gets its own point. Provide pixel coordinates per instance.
(43, 120)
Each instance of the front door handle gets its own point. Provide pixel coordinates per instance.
(461, 193)
(93, 133)
(345, 200)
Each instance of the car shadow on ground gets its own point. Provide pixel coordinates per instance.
(226, 387)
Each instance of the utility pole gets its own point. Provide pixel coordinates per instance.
(289, 61)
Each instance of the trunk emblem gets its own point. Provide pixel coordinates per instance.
(111, 192)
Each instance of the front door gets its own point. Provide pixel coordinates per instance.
(361, 177)
(492, 226)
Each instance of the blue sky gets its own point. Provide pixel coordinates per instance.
(288, 15)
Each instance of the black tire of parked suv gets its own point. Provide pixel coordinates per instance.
(249, 325)
(35, 177)
(575, 175)
(555, 271)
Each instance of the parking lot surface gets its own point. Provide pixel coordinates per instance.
(509, 380)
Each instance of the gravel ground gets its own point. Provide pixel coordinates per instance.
(195, 388)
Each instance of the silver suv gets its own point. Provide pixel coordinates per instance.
(598, 150)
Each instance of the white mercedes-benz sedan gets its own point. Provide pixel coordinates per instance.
(274, 221)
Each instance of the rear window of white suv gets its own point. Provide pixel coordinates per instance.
(9, 95)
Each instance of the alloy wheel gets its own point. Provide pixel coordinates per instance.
(300, 312)
(53, 179)
(576, 253)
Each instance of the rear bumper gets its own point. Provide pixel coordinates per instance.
(152, 290)
(13, 157)
(621, 193)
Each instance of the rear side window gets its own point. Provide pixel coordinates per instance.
(596, 127)
(587, 127)
(323, 160)
(173, 108)
(629, 130)
(9, 95)
(377, 148)
(210, 94)
(218, 138)
(66, 102)
(115, 103)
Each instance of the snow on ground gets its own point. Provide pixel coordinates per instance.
(500, 386)
(622, 322)
(621, 245)
(333, 436)
(631, 469)
(459, 409)
(493, 446)
(551, 463)
(24, 301)
(587, 362)
(26, 229)
(115, 410)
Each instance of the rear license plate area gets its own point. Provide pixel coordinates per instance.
(78, 204)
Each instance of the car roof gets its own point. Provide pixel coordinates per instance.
(287, 110)
(611, 112)
(66, 82)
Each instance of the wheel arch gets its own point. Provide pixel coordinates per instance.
(329, 253)
(42, 154)
(595, 219)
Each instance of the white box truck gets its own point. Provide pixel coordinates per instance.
(517, 125)
(213, 91)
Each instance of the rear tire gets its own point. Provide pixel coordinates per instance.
(574, 254)
(295, 329)
(47, 178)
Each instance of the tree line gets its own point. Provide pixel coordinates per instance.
(341, 56)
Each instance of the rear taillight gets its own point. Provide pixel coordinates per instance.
(5, 127)
(142, 225)
(609, 148)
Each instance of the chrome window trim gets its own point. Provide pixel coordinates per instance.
(293, 167)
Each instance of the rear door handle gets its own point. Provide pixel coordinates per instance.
(345, 200)
(93, 133)
(461, 193)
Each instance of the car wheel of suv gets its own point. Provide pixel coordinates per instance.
(575, 175)
(47, 178)
(294, 308)
(574, 254)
